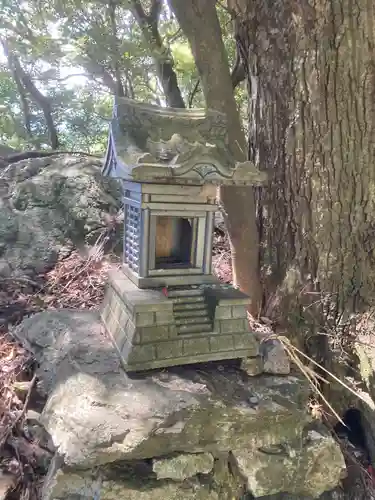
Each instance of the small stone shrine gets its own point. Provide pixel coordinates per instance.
(164, 307)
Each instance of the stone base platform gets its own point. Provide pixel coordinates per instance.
(176, 326)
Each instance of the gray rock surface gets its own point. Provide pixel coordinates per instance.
(181, 467)
(97, 414)
(275, 359)
(192, 422)
(47, 206)
(36, 431)
(125, 481)
(308, 466)
(252, 366)
(336, 494)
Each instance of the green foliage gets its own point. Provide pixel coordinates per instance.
(84, 126)
(81, 118)
(11, 128)
(104, 44)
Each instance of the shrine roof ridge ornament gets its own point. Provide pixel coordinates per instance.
(152, 144)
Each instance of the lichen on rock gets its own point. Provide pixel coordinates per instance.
(48, 207)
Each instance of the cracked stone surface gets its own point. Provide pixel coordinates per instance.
(95, 413)
(128, 481)
(205, 432)
(275, 359)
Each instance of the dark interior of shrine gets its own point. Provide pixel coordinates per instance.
(174, 238)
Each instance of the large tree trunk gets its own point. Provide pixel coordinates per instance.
(311, 66)
(199, 22)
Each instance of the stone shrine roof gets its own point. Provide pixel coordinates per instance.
(152, 144)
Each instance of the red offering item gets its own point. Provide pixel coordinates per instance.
(371, 471)
(165, 291)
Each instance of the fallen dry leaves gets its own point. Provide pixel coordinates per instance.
(16, 472)
(76, 281)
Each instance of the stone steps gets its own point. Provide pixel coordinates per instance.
(188, 307)
(196, 299)
(194, 320)
(184, 292)
(201, 328)
(190, 310)
(185, 313)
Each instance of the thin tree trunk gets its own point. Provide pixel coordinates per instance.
(21, 90)
(37, 96)
(148, 24)
(23, 99)
(120, 91)
(198, 20)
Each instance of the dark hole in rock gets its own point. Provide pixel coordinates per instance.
(353, 432)
(359, 483)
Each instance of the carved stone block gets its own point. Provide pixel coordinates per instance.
(152, 330)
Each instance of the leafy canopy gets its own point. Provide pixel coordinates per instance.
(61, 62)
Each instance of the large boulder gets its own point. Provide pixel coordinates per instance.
(97, 414)
(50, 205)
(186, 432)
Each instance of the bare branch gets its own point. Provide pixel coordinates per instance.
(238, 73)
(60, 80)
(20, 87)
(41, 100)
(162, 58)
(24, 82)
(175, 36)
(193, 93)
(15, 157)
(139, 12)
(96, 69)
(129, 89)
(230, 11)
(155, 10)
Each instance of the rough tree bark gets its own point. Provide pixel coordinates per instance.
(198, 20)
(311, 69)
